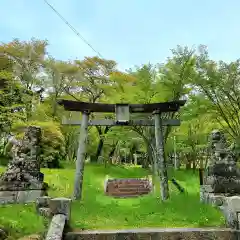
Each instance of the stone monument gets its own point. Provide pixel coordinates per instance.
(23, 182)
(222, 177)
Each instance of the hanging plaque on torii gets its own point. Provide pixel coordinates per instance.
(122, 118)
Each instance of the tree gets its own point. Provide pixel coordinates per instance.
(26, 58)
(220, 82)
(93, 86)
(168, 82)
(193, 133)
(11, 99)
(58, 77)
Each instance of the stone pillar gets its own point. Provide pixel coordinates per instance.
(61, 206)
(43, 201)
(42, 205)
(78, 183)
(60, 210)
(55, 231)
(231, 210)
(160, 156)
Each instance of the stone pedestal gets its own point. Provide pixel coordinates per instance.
(221, 181)
(223, 177)
(25, 196)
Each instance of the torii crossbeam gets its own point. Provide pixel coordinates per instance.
(122, 112)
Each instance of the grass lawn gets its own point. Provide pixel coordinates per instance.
(98, 211)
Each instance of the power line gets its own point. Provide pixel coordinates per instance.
(73, 29)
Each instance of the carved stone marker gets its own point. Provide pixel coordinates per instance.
(221, 181)
(23, 182)
(131, 187)
(222, 175)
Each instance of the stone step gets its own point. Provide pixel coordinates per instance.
(157, 233)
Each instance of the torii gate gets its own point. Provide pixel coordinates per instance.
(122, 113)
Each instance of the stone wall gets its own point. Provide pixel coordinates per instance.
(155, 234)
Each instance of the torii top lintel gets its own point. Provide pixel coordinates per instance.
(78, 106)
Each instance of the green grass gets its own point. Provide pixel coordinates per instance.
(97, 211)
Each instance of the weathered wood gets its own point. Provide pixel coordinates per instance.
(55, 231)
(109, 122)
(133, 108)
(160, 156)
(78, 184)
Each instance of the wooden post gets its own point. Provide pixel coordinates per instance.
(78, 184)
(160, 156)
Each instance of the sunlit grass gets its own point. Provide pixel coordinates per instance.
(97, 211)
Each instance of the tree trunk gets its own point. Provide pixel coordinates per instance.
(188, 161)
(131, 157)
(99, 150)
(145, 164)
(101, 142)
(111, 154)
(194, 162)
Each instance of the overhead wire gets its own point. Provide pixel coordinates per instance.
(76, 32)
(73, 29)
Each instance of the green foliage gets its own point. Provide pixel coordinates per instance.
(39, 82)
(31, 85)
(52, 142)
(11, 102)
(115, 213)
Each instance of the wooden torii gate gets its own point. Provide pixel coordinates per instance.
(122, 113)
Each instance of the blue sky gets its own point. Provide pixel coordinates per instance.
(131, 32)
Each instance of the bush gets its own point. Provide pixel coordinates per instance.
(4, 160)
(52, 142)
